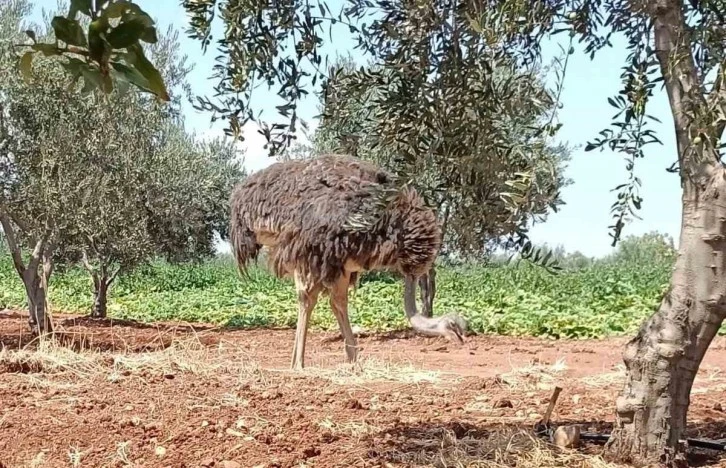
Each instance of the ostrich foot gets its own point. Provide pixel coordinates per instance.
(355, 367)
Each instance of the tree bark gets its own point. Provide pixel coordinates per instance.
(427, 283)
(100, 296)
(102, 281)
(35, 275)
(662, 360)
(36, 294)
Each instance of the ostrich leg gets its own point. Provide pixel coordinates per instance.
(339, 306)
(307, 297)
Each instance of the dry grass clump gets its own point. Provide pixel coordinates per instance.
(442, 448)
(606, 379)
(535, 375)
(355, 429)
(373, 370)
(50, 357)
(186, 355)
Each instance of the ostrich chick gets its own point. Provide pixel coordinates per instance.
(323, 221)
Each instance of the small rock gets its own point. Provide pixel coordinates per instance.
(152, 426)
(311, 452)
(718, 407)
(207, 463)
(160, 451)
(576, 399)
(128, 408)
(270, 395)
(567, 436)
(230, 464)
(232, 432)
(353, 404)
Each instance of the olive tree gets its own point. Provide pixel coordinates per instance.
(467, 174)
(50, 128)
(43, 160)
(169, 202)
(128, 183)
(157, 190)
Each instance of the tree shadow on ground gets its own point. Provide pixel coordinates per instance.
(107, 322)
(381, 337)
(463, 444)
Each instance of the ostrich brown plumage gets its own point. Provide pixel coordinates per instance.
(323, 221)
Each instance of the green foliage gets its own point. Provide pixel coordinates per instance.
(607, 297)
(102, 46)
(110, 180)
(485, 191)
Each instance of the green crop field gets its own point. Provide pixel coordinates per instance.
(600, 299)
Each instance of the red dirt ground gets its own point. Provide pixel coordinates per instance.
(171, 395)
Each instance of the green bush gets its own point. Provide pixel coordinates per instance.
(608, 297)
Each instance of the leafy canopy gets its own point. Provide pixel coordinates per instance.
(106, 49)
(490, 172)
(282, 46)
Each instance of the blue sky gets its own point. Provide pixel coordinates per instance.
(582, 224)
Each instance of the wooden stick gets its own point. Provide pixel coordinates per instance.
(551, 407)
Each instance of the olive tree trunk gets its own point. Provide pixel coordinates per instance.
(100, 297)
(36, 294)
(662, 360)
(35, 275)
(102, 281)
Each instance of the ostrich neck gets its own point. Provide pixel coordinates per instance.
(433, 326)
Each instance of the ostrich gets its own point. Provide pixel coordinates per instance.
(325, 220)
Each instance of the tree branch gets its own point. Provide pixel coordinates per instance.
(19, 222)
(113, 276)
(91, 271)
(12, 243)
(718, 100)
(39, 251)
(683, 86)
(87, 265)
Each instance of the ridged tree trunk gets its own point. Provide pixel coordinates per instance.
(38, 318)
(102, 277)
(100, 296)
(35, 275)
(663, 359)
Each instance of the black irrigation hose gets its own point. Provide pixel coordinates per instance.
(543, 428)
(700, 443)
